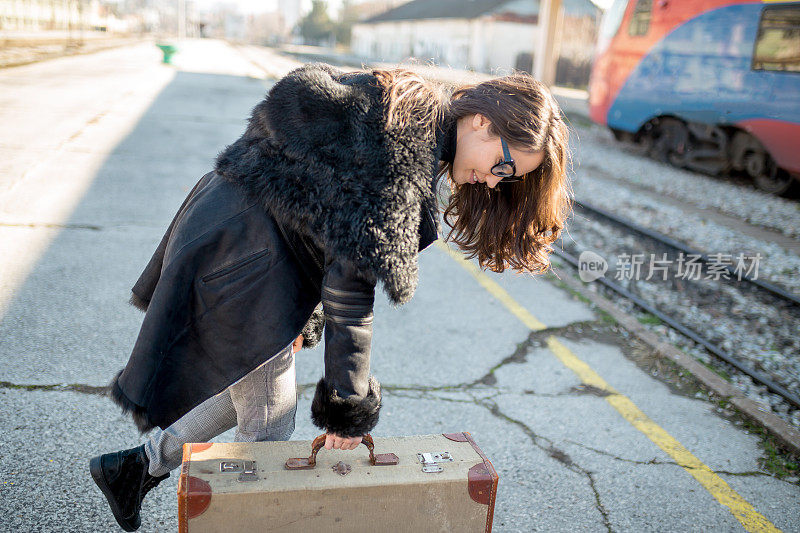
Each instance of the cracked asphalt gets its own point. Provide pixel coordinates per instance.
(98, 153)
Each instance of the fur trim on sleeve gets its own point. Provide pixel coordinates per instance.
(344, 416)
(312, 331)
(137, 412)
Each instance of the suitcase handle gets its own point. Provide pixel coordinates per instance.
(306, 463)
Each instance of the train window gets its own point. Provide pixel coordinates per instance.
(640, 20)
(778, 40)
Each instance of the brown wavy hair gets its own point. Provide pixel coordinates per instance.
(515, 223)
(410, 97)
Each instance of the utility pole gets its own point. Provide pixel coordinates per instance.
(81, 20)
(544, 67)
(181, 19)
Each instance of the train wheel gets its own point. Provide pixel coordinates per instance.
(669, 141)
(749, 155)
(622, 136)
(774, 180)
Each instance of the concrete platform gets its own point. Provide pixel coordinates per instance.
(108, 146)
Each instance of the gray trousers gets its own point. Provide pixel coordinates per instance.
(262, 405)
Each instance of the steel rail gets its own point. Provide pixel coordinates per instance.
(774, 289)
(685, 330)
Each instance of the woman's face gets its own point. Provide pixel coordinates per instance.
(477, 151)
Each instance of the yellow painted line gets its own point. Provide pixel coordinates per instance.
(745, 513)
(751, 519)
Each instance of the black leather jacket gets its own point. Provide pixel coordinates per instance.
(302, 216)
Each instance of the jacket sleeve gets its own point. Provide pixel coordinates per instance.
(347, 398)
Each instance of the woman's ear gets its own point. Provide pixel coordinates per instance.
(480, 122)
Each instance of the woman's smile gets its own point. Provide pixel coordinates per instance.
(477, 148)
(473, 177)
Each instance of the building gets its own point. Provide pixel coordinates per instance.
(369, 8)
(481, 35)
(39, 15)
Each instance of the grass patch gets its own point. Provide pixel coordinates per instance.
(649, 319)
(775, 460)
(718, 371)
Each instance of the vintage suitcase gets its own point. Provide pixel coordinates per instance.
(421, 483)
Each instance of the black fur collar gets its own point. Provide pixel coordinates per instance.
(318, 155)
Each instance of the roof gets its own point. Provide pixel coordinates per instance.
(439, 9)
(469, 9)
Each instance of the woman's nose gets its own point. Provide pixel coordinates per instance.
(492, 180)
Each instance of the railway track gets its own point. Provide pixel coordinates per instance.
(744, 292)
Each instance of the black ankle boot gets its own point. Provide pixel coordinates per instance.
(124, 480)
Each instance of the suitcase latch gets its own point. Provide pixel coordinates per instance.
(430, 461)
(245, 469)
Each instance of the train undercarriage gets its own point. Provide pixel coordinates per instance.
(712, 150)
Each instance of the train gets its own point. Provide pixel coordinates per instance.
(712, 86)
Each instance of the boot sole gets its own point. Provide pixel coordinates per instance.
(100, 481)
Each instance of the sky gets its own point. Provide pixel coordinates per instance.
(260, 6)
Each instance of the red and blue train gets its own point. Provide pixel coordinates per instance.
(708, 85)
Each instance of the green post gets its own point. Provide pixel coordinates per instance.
(169, 50)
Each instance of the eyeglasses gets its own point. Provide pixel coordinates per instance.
(506, 168)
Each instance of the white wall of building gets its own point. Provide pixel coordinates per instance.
(481, 44)
(504, 41)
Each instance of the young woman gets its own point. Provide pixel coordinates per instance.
(331, 188)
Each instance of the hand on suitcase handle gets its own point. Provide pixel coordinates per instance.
(332, 440)
(303, 463)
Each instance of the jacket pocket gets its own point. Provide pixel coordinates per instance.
(236, 265)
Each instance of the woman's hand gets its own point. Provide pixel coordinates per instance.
(298, 343)
(341, 443)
